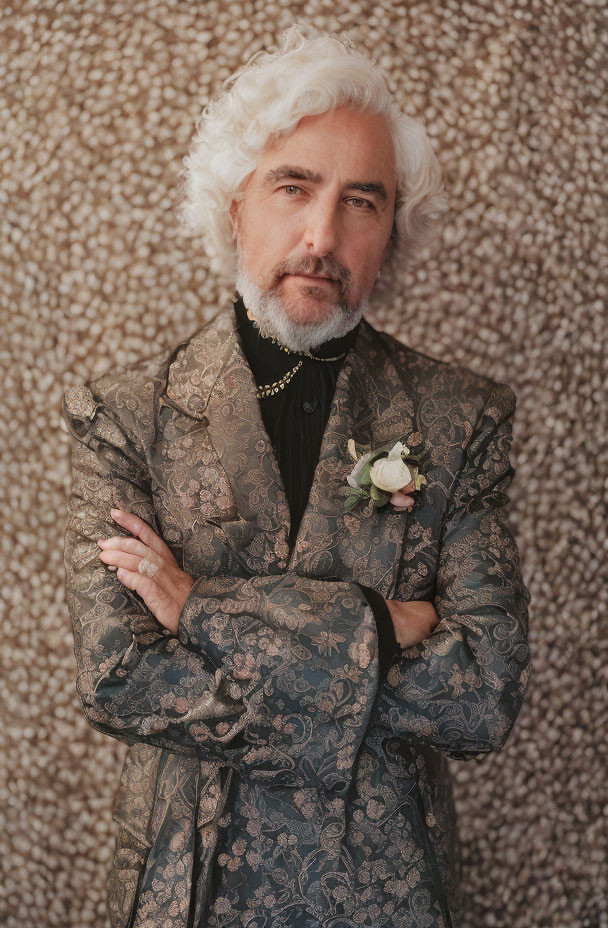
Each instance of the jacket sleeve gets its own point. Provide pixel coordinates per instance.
(264, 670)
(460, 690)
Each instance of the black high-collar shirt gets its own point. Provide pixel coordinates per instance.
(295, 418)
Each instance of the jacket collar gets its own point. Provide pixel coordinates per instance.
(210, 380)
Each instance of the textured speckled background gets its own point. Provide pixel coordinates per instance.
(97, 103)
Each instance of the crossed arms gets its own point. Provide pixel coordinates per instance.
(278, 675)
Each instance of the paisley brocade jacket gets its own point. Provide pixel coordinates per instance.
(272, 779)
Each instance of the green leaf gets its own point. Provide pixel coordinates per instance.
(352, 493)
(354, 497)
(350, 503)
(377, 494)
(358, 494)
(364, 479)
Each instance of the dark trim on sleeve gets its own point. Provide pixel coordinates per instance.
(387, 643)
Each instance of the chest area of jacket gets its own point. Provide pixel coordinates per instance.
(199, 517)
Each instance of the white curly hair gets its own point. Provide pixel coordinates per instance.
(311, 73)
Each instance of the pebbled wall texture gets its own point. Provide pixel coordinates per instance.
(98, 102)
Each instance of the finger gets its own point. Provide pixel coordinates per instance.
(409, 487)
(422, 608)
(140, 584)
(157, 601)
(125, 543)
(141, 530)
(132, 579)
(128, 561)
(425, 612)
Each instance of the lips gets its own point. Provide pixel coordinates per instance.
(329, 280)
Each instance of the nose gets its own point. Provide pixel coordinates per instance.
(321, 236)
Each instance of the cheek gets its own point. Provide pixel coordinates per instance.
(370, 256)
(263, 239)
(276, 248)
(251, 244)
(364, 263)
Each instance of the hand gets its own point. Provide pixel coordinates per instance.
(413, 620)
(166, 592)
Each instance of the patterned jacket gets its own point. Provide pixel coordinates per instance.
(272, 779)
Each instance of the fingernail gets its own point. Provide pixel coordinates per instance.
(115, 512)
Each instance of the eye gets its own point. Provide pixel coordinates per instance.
(291, 189)
(361, 203)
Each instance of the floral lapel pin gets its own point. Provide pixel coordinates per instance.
(383, 475)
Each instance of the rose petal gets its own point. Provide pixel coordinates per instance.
(390, 475)
(395, 452)
(359, 466)
(402, 500)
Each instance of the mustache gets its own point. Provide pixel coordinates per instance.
(315, 267)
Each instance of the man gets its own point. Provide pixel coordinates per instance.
(291, 673)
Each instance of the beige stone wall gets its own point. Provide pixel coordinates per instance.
(97, 106)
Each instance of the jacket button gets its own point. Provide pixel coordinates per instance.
(309, 407)
(431, 820)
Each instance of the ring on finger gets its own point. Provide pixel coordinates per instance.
(146, 567)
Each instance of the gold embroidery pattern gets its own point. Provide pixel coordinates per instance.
(262, 747)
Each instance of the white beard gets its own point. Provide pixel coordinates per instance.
(269, 313)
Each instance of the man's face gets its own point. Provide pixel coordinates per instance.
(316, 215)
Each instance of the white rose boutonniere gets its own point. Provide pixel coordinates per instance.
(388, 473)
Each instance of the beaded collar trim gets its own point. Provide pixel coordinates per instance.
(284, 348)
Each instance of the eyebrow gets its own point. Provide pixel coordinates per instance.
(292, 172)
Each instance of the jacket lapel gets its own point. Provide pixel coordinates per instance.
(210, 381)
(372, 406)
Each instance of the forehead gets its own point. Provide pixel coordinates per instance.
(354, 143)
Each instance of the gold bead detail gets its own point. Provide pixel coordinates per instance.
(269, 389)
(306, 354)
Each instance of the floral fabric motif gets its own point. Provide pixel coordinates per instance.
(271, 779)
